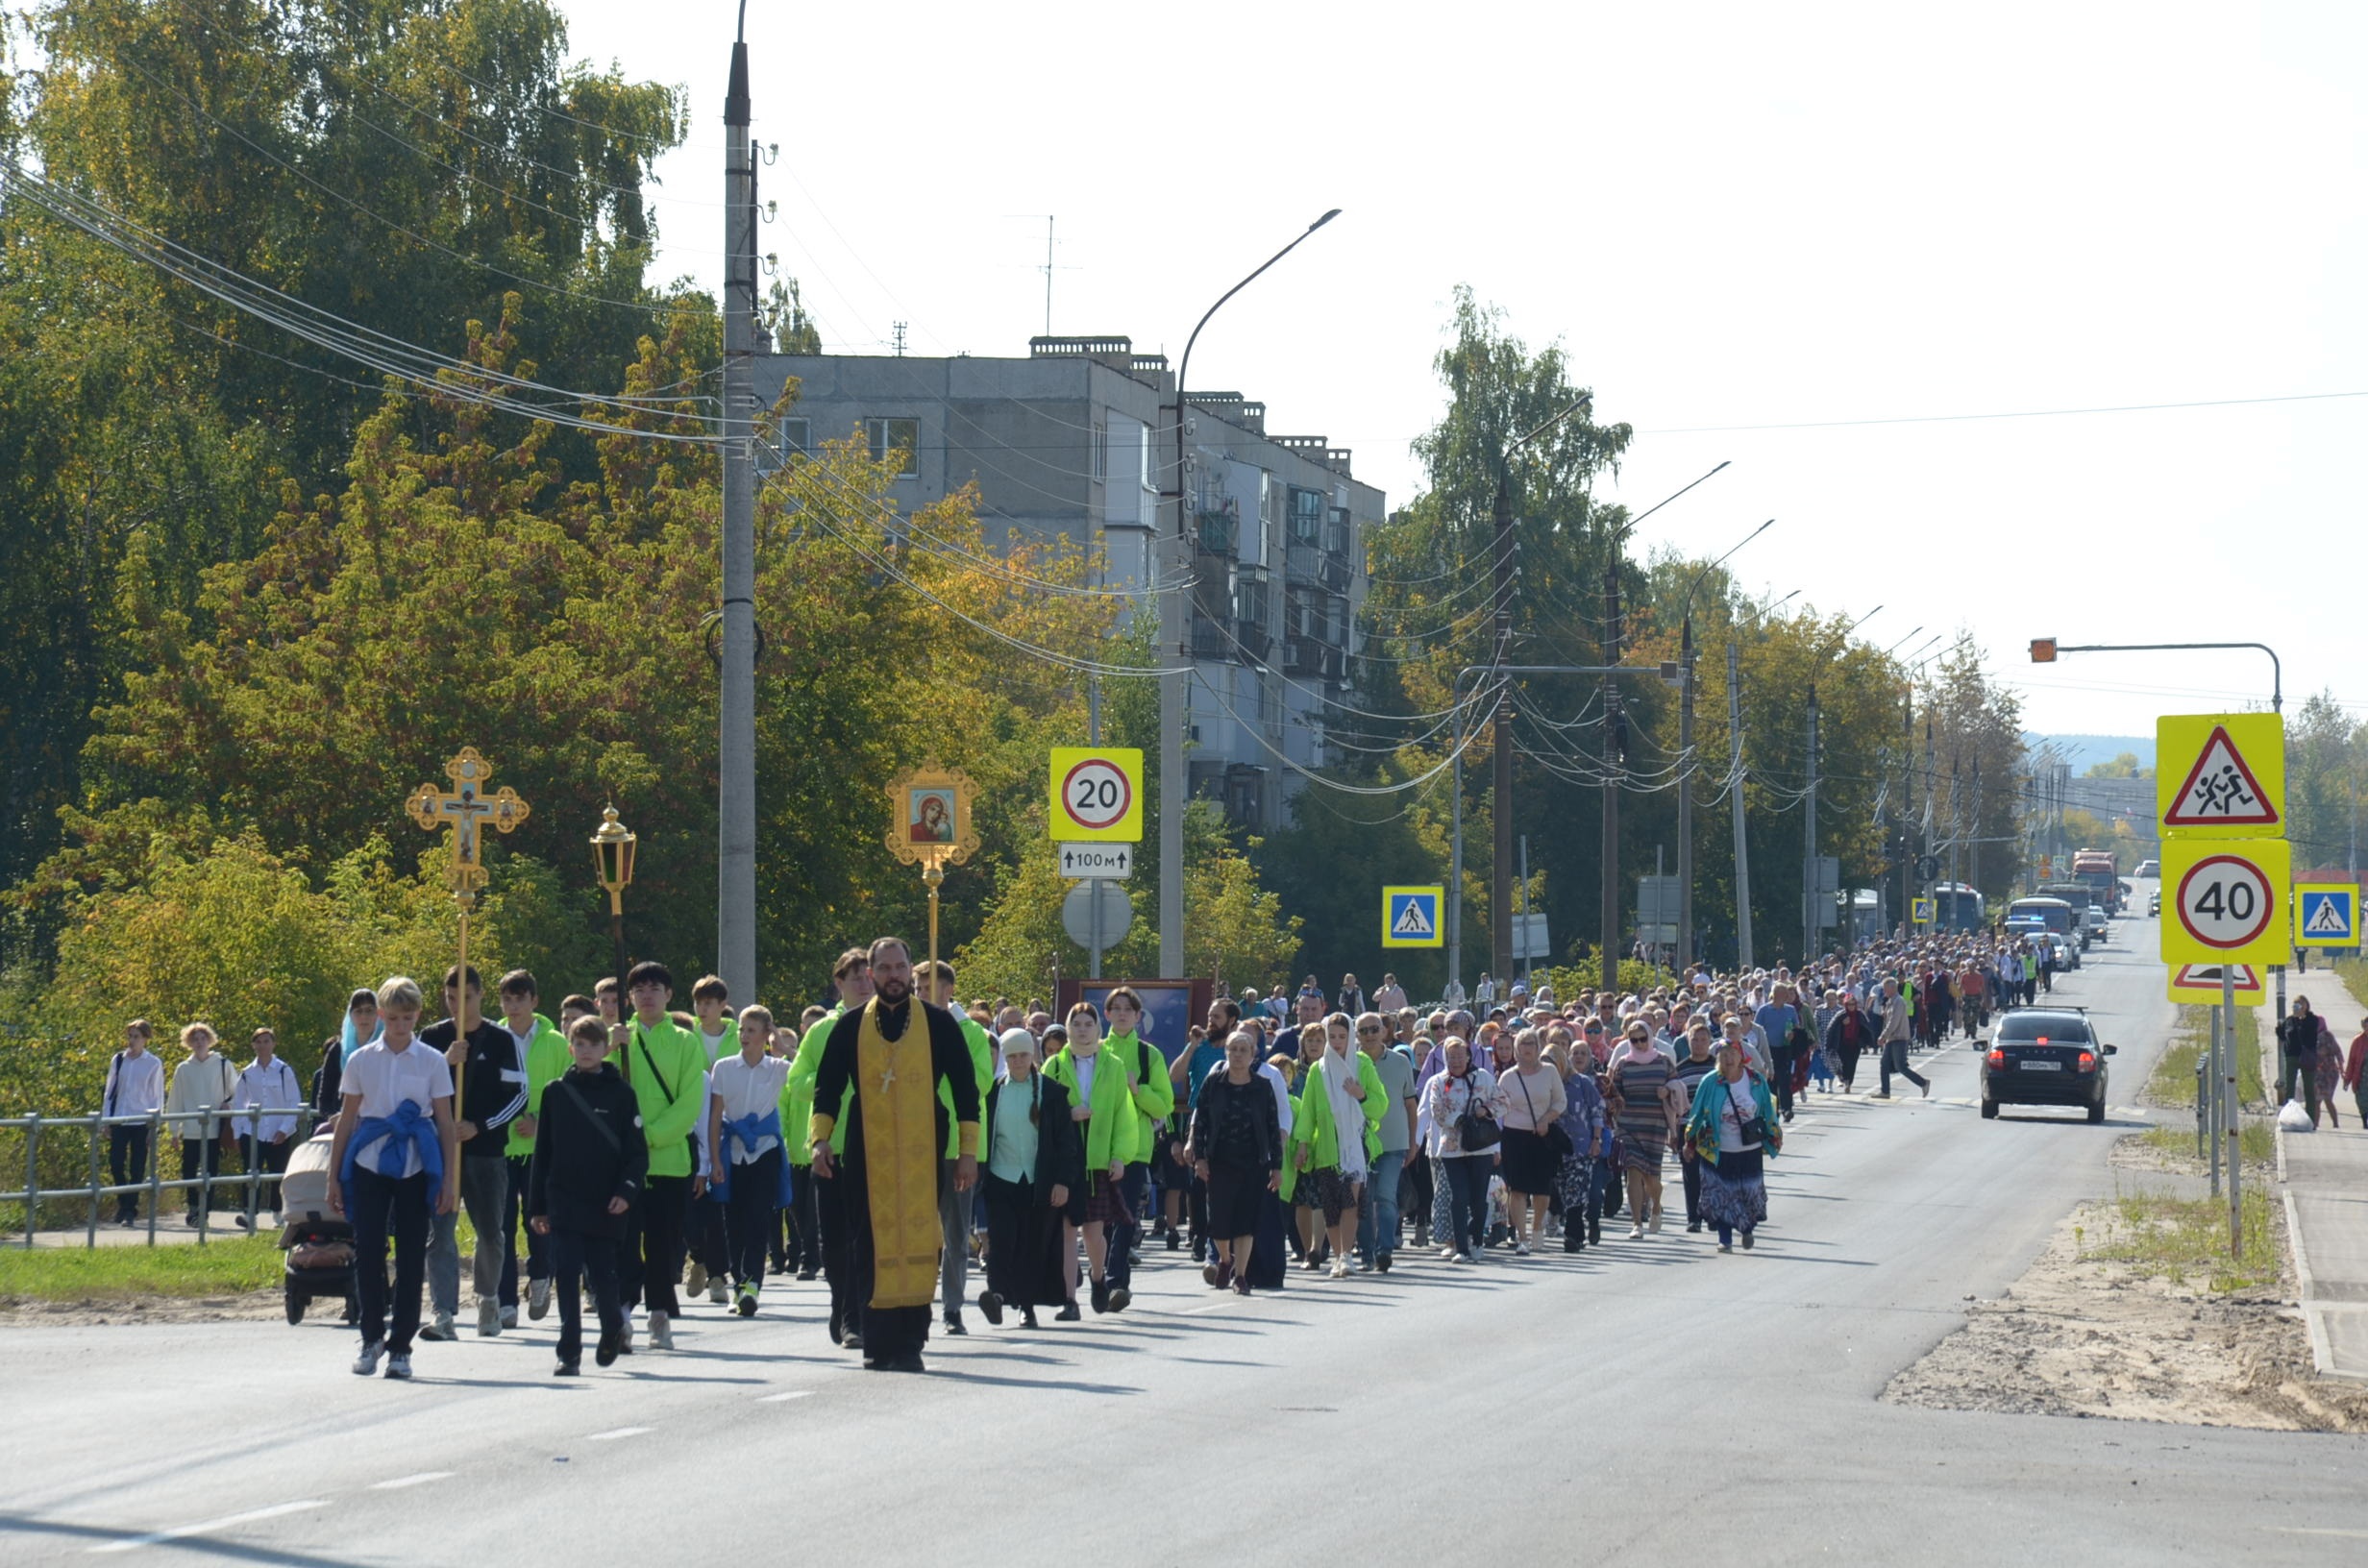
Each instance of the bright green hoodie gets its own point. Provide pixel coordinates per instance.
(728, 1045)
(798, 1094)
(1312, 1126)
(547, 1058)
(1154, 1090)
(1110, 1134)
(668, 1068)
(982, 1063)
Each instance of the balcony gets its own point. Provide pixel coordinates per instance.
(1252, 635)
(1333, 573)
(1218, 534)
(1302, 562)
(1208, 639)
(1306, 657)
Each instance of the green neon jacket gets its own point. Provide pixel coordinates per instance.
(798, 1094)
(547, 1058)
(1110, 1136)
(1155, 1091)
(1313, 1128)
(982, 1062)
(668, 1068)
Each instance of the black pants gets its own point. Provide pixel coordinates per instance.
(838, 1253)
(707, 1240)
(127, 1162)
(1783, 1059)
(270, 1159)
(571, 1254)
(1846, 1064)
(382, 1207)
(751, 1216)
(1467, 1200)
(1023, 1244)
(538, 1247)
(1134, 1186)
(1692, 1171)
(802, 1222)
(198, 1158)
(658, 1220)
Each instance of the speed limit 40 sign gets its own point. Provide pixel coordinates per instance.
(2225, 901)
(1097, 793)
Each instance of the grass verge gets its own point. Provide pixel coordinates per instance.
(2255, 1139)
(2186, 1240)
(2172, 1083)
(61, 1274)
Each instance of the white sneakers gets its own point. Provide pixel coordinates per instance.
(1654, 1225)
(661, 1332)
(489, 1317)
(1339, 1267)
(717, 1292)
(1635, 1233)
(366, 1364)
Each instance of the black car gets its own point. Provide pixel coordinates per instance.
(2045, 1056)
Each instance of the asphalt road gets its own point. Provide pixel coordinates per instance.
(1653, 1401)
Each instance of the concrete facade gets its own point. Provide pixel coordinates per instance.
(1077, 441)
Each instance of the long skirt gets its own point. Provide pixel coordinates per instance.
(1574, 1181)
(1023, 1264)
(1734, 1191)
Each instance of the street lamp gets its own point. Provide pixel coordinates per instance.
(612, 859)
(2043, 650)
(1173, 693)
(1685, 752)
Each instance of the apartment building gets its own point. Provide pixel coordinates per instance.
(1077, 441)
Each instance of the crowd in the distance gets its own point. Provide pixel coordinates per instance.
(649, 1157)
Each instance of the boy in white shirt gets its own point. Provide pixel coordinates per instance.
(203, 1083)
(135, 1088)
(749, 1160)
(266, 1084)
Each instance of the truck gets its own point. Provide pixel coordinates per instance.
(2098, 868)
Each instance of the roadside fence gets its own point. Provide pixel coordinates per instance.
(202, 1138)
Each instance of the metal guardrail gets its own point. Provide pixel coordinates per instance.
(156, 1184)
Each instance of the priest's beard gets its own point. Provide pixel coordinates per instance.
(895, 997)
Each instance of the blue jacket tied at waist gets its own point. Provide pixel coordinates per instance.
(745, 1131)
(408, 1127)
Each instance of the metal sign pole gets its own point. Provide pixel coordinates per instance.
(1095, 972)
(2207, 1101)
(2232, 1110)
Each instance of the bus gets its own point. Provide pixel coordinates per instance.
(2055, 912)
(1958, 906)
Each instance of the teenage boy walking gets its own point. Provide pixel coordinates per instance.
(590, 1161)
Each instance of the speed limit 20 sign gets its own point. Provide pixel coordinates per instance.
(2225, 901)
(1097, 793)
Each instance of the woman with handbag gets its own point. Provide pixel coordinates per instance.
(1637, 1076)
(1462, 1148)
(1732, 1127)
(1530, 1101)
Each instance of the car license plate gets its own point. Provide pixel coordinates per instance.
(2040, 1067)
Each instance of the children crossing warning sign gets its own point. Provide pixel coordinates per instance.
(1410, 918)
(2221, 775)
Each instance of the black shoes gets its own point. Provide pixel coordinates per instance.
(953, 1323)
(604, 1354)
(1100, 1295)
(1028, 1317)
(568, 1369)
(1067, 1315)
(989, 1303)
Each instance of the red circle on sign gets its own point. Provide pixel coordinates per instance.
(1107, 793)
(2254, 876)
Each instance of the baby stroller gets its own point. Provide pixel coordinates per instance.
(319, 1245)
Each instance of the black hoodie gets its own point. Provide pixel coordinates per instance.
(588, 1148)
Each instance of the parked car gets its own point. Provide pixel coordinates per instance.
(2045, 1056)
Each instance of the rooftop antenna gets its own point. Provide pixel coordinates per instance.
(898, 328)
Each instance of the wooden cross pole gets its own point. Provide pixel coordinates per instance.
(463, 811)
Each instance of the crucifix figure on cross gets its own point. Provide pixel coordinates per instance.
(462, 809)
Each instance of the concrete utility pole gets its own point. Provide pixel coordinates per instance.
(1808, 844)
(1907, 805)
(1615, 755)
(1685, 797)
(1500, 742)
(1735, 786)
(735, 881)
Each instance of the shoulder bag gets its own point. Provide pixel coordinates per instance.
(1475, 1129)
(1556, 1138)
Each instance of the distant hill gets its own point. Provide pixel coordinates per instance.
(2083, 751)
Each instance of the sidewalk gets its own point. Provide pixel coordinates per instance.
(2325, 1175)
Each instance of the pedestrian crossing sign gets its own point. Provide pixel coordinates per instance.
(2327, 914)
(1410, 917)
(1921, 910)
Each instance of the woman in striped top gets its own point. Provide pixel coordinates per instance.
(1635, 1077)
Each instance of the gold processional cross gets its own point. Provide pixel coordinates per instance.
(462, 811)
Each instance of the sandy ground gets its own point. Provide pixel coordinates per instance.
(2077, 1335)
(258, 1305)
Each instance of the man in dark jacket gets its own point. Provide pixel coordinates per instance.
(1850, 1033)
(590, 1162)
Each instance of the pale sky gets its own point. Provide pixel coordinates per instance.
(1728, 216)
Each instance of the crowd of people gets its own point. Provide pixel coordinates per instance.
(645, 1157)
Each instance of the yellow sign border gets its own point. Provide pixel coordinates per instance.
(2273, 858)
(2302, 940)
(1065, 759)
(2259, 739)
(1439, 916)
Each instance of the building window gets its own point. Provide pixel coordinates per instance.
(1101, 451)
(899, 437)
(1306, 515)
(797, 438)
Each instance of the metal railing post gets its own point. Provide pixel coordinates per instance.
(33, 1174)
(91, 1239)
(251, 1150)
(156, 1170)
(208, 1152)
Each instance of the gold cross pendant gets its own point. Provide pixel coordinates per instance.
(888, 1075)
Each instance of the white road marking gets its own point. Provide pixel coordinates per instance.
(2304, 1529)
(182, 1532)
(400, 1482)
(614, 1432)
(776, 1399)
(1195, 1311)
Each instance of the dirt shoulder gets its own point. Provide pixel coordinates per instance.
(2088, 1332)
(249, 1305)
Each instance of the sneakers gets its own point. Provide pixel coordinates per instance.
(439, 1330)
(1880, 1095)
(1450, 1255)
(992, 1306)
(1928, 1092)
(1340, 1268)
(488, 1319)
(661, 1332)
(1692, 1227)
(1520, 1249)
(568, 1369)
(1365, 1265)
(1067, 1315)
(1100, 1295)
(1120, 1298)
(696, 1280)
(538, 1298)
(747, 1298)
(806, 1273)
(625, 1337)
(1654, 1224)
(1726, 1246)
(366, 1364)
(953, 1324)
(510, 1317)
(1381, 1263)
(1240, 1284)
(1635, 1233)
(398, 1368)
(719, 1292)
